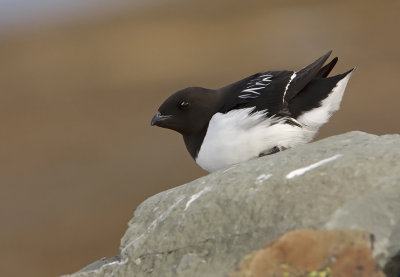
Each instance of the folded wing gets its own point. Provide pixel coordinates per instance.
(283, 93)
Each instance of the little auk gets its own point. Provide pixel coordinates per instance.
(259, 115)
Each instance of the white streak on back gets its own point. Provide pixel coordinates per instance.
(303, 170)
(288, 84)
(244, 96)
(255, 84)
(253, 90)
(267, 77)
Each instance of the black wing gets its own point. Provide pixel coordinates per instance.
(272, 90)
(304, 76)
(264, 91)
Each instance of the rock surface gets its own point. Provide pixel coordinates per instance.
(350, 181)
(313, 253)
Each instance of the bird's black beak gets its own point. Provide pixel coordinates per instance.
(158, 118)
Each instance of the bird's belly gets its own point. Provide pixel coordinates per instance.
(216, 155)
(228, 142)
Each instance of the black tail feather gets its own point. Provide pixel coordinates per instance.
(304, 76)
(316, 91)
(324, 71)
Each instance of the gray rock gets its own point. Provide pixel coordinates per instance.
(100, 263)
(204, 227)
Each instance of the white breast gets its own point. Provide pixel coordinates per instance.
(239, 136)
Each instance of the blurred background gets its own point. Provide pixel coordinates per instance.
(81, 80)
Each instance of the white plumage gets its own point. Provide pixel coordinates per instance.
(319, 116)
(240, 135)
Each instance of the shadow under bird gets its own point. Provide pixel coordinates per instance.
(256, 116)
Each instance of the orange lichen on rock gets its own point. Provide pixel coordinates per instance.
(313, 253)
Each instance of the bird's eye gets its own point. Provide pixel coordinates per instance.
(183, 105)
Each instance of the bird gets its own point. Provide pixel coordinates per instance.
(259, 115)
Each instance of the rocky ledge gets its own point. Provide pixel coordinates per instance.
(205, 227)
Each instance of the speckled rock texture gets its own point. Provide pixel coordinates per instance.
(203, 228)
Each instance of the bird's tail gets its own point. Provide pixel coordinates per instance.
(308, 73)
(314, 105)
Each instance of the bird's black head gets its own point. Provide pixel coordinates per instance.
(187, 111)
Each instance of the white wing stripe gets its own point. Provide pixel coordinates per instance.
(287, 86)
(256, 84)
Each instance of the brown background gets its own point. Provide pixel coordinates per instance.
(77, 153)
